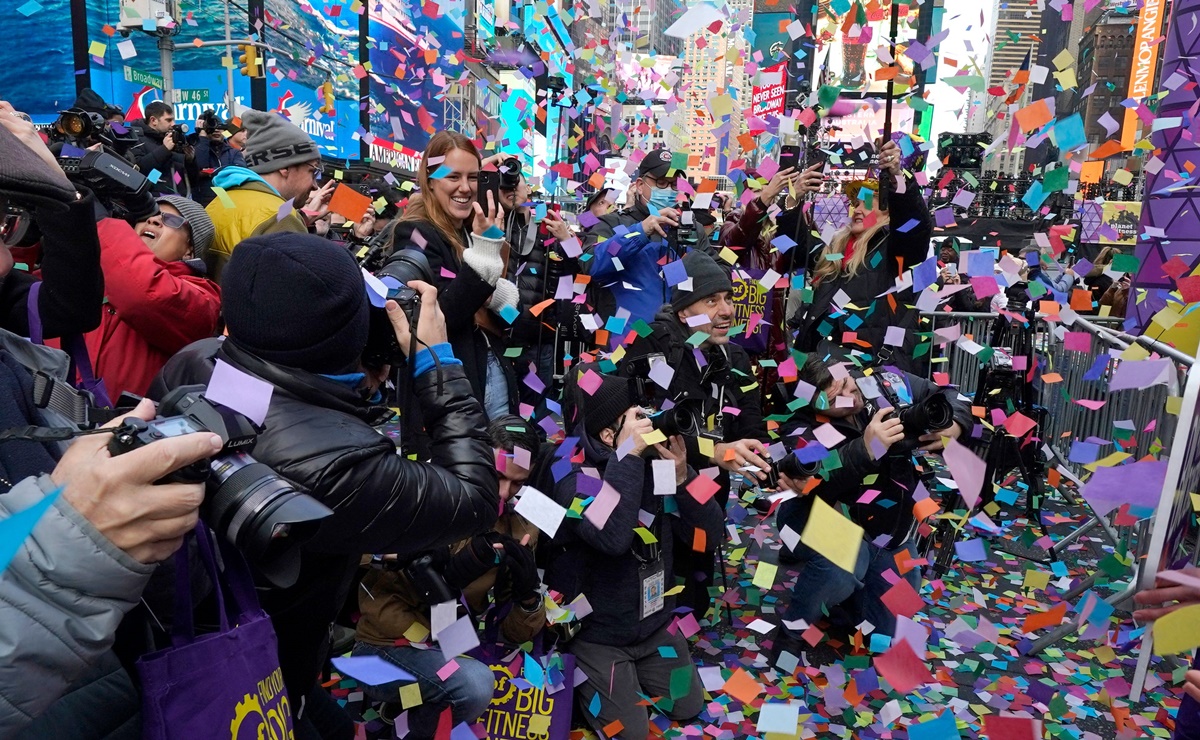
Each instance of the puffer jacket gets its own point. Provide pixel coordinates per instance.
(255, 212)
(527, 265)
(319, 436)
(61, 599)
(389, 604)
(154, 309)
(600, 562)
(871, 316)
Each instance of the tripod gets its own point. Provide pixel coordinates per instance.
(1002, 386)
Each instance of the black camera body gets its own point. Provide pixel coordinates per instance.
(400, 268)
(920, 418)
(84, 128)
(790, 466)
(178, 134)
(246, 502)
(687, 413)
(115, 183)
(209, 122)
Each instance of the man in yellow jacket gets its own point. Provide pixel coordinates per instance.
(395, 613)
(283, 166)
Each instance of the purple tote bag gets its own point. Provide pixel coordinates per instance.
(226, 684)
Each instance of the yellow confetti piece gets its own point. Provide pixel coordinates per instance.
(764, 575)
(1036, 580)
(97, 48)
(646, 535)
(1174, 405)
(222, 196)
(707, 447)
(832, 535)
(539, 724)
(1178, 631)
(1108, 461)
(410, 695)
(728, 255)
(655, 437)
(675, 591)
(416, 633)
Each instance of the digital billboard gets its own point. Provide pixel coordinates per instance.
(415, 51)
(316, 45)
(849, 36)
(52, 88)
(127, 70)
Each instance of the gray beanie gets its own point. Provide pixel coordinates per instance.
(198, 221)
(708, 277)
(273, 142)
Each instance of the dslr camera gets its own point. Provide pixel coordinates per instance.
(920, 418)
(790, 466)
(123, 190)
(402, 267)
(246, 502)
(210, 122)
(684, 414)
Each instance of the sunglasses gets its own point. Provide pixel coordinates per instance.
(173, 221)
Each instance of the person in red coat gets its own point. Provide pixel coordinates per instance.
(157, 299)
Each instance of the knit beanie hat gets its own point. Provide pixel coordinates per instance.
(707, 276)
(296, 300)
(601, 409)
(273, 142)
(201, 225)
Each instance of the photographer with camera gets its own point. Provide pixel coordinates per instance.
(536, 261)
(213, 153)
(319, 432)
(163, 148)
(878, 446)
(463, 242)
(625, 646)
(283, 167)
(629, 245)
(710, 377)
(499, 563)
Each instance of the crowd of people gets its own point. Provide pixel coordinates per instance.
(578, 415)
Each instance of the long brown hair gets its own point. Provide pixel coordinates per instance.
(427, 208)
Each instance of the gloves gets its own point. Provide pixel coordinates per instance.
(483, 256)
(518, 579)
(506, 294)
(471, 562)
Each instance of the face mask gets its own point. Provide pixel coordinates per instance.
(662, 198)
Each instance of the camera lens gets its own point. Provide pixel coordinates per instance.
(261, 514)
(791, 466)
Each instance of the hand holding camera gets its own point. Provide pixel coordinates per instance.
(667, 218)
(675, 451)
(886, 428)
(119, 496)
(431, 328)
(734, 456)
(635, 425)
(518, 578)
(933, 442)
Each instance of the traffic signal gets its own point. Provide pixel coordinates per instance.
(327, 95)
(251, 64)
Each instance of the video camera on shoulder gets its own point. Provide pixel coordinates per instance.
(115, 183)
(84, 128)
(932, 414)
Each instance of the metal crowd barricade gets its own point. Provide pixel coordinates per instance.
(1165, 538)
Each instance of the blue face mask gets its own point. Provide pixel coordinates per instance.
(662, 198)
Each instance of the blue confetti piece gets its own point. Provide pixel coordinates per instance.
(534, 673)
(594, 705)
(509, 313)
(909, 225)
(440, 172)
(17, 528)
(29, 8)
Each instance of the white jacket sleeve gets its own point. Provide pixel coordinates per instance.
(61, 600)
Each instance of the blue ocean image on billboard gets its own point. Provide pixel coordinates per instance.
(52, 87)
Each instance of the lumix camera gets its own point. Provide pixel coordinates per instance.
(921, 418)
(403, 266)
(246, 502)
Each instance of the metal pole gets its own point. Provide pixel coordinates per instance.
(166, 48)
(229, 65)
(886, 182)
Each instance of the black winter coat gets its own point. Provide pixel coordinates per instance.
(877, 276)
(669, 338)
(149, 154)
(460, 297)
(600, 562)
(319, 436)
(528, 271)
(890, 513)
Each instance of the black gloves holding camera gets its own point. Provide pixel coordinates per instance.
(517, 579)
